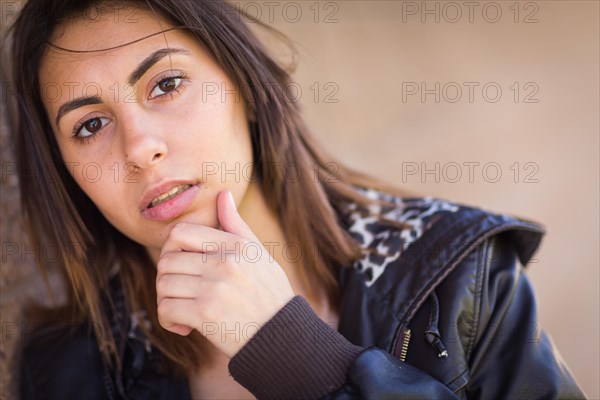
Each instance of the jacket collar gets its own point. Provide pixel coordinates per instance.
(381, 293)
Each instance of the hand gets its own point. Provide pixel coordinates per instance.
(218, 282)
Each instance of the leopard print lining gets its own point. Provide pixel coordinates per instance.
(383, 245)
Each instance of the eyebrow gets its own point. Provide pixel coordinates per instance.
(150, 61)
(76, 103)
(132, 79)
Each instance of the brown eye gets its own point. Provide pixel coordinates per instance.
(90, 127)
(166, 85)
(93, 125)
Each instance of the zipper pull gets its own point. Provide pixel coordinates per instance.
(434, 340)
(432, 334)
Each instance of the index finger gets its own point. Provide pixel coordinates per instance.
(198, 238)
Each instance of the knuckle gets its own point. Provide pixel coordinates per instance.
(163, 263)
(229, 267)
(163, 310)
(162, 283)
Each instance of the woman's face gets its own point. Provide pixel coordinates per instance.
(151, 131)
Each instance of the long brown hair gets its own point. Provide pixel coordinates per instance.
(311, 210)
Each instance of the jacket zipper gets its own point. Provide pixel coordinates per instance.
(405, 342)
(405, 333)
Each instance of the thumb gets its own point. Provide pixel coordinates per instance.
(229, 218)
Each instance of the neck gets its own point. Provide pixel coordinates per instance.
(263, 221)
(265, 224)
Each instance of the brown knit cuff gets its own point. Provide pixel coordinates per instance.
(294, 355)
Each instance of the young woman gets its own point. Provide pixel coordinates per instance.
(212, 250)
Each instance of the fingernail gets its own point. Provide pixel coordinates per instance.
(231, 200)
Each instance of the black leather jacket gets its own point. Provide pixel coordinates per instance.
(449, 313)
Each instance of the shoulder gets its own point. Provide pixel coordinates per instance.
(414, 246)
(62, 360)
(447, 295)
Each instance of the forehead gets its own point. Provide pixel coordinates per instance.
(107, 46)
(64, 75)
(107, 27)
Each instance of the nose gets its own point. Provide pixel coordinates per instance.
(143, 141)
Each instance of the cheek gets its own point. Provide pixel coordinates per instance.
(110, 198)
(215, 127)
(102, 183)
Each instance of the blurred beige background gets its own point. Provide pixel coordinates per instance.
(512, 126)
(541, 134)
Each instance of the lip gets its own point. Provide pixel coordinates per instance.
(171, 208)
